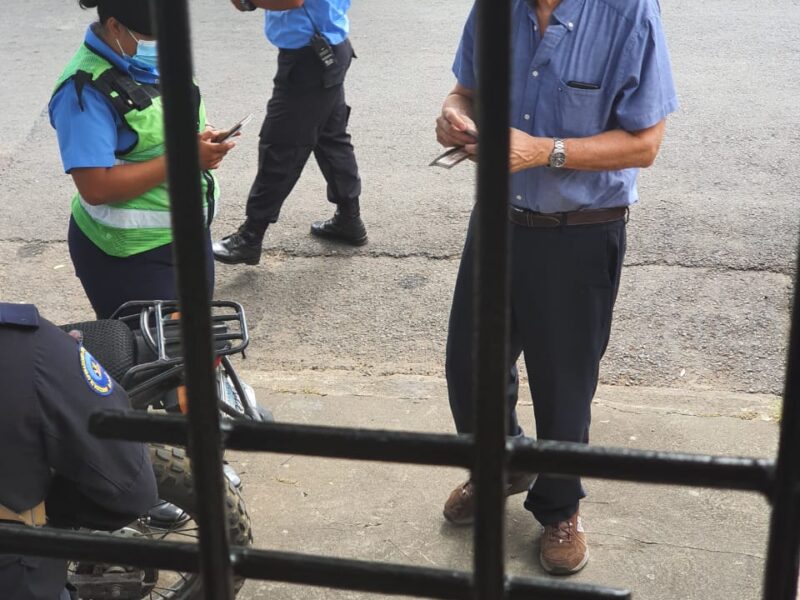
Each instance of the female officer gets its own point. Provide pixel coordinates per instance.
(107, 112)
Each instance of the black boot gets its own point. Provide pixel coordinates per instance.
(244, 246)
(345, 226)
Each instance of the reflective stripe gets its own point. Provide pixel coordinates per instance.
(129, 218)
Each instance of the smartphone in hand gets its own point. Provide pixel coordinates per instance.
(224, 136)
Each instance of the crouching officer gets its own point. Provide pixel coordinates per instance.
(60, 474)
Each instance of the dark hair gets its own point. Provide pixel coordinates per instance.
(134, 14)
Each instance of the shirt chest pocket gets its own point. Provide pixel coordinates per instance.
(580, 112)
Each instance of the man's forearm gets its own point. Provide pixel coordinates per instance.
(612, 151)
(608, 151)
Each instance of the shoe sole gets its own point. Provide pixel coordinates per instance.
(564, 570)
(338, 238)
(247, 261)
(458, 522)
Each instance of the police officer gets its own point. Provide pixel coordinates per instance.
(591, 90)
(60, 473)
(109, 120)
(307, 113)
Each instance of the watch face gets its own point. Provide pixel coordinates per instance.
(558, 160)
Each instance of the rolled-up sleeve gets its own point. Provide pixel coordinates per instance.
(647, 90)
(464, 64)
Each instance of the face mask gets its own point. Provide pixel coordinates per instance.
(146, 56)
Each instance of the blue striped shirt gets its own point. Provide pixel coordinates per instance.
(617, 49)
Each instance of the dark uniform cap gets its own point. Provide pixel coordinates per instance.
(134, 14)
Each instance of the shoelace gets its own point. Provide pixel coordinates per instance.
(560, 532)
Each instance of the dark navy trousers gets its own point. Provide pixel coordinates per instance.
(110, 281)
(564, 283)
(306, 113)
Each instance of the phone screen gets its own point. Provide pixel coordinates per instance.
(225, 135)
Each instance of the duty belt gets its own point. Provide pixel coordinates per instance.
(35, 517)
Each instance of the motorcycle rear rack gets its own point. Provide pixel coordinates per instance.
(159, 324)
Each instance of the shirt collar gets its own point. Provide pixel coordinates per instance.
(568, 12)
(123, 63)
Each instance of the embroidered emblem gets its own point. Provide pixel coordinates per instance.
(98, 380)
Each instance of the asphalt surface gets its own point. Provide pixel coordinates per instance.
(703, 308)
(711, 247)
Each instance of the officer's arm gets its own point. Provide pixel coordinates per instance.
(114, 475)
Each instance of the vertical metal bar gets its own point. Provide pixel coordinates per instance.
(783, 551)
(491, 293)
(189, 229)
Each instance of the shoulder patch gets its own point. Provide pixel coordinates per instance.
(97, 378)
(19, 315)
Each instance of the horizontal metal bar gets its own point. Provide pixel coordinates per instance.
(518, 588)
(556, 458)
(105, 548)
(309, 440)
(368, 576)
(643, 466)
(295, 568)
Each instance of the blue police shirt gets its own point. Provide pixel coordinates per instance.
(292, 29)
(90, 136)
(617, 46)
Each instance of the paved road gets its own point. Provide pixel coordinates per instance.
(705, 295)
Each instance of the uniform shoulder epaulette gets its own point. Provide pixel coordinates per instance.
(19, 315)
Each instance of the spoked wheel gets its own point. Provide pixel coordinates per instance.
(173, 475)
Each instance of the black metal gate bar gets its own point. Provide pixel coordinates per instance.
(783, 551)
(644, 466)
(491, 295)
(309, 440)
(301, 569)
(103, 548)
(189, 232)
(565, 458)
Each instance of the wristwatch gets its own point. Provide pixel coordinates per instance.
(558, 157)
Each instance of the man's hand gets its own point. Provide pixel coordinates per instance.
(212, 153)
(452, 127)
(527, 152)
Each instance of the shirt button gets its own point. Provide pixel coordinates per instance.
(570, 25)
(535, 73)
(519, 197)
(527, 117)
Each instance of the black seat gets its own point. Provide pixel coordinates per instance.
(111, 342)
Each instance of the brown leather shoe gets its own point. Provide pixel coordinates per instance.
(460, 506)
(563, 547)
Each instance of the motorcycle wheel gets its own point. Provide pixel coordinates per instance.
(173, 474)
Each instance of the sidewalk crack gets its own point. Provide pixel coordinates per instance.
(679, 546)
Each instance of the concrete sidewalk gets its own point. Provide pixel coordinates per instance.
(664, 543)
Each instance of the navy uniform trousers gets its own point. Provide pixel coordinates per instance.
(307, 113)
(110, 281)
(564, 283)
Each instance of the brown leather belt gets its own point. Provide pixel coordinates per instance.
(528, 218)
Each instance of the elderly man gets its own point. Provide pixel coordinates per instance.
(591, 88)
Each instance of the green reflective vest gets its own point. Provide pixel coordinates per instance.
(141, 224)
